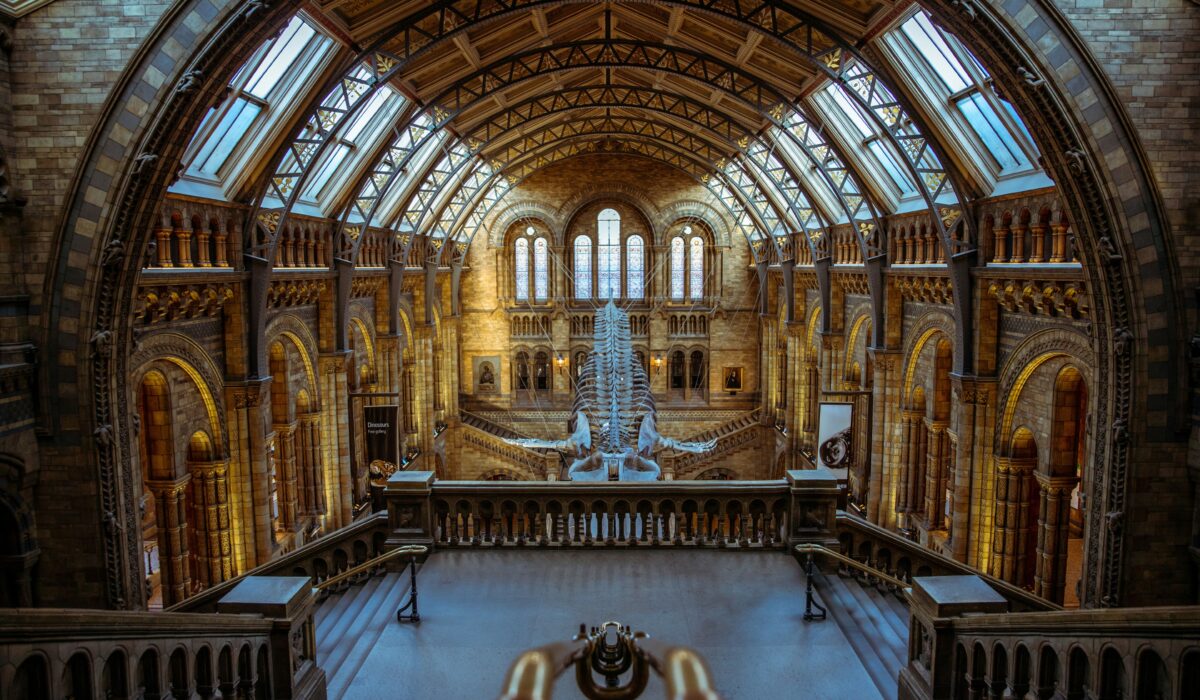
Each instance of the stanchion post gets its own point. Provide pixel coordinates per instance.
(415, 615)
(809, 603)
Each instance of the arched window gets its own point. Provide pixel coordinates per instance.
(521, 269)
(608, 228)
(634, 267)
(696, 268)
(699, 372)
(677, 265)
(677, 370)
(541, 273)
(583, 268)
(523, 371)
(541, 372)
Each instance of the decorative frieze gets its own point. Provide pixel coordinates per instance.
(166, 303)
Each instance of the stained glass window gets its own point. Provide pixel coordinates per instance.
(583, 268)
(696, 271)
(609, 254)
(541, 272)
(521, 269)
(677, 264)
(634, 267)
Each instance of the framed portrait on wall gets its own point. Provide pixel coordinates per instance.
(487, 374)
(731, 379)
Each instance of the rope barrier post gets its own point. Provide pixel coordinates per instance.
(415, 615)
(809, 603)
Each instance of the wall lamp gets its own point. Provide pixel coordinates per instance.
(560, 362)
(657, 362)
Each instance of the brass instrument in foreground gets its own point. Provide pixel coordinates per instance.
(610, 651)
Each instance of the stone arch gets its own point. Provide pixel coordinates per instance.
(295, 330)
(924, 329)
(569, 211)
(501, 220)
(184, 353)
(1033, 352)
(718, 222)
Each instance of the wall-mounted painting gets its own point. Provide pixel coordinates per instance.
(487, 374)
(731, 379)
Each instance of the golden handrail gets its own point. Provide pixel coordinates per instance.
(371, 564)
(683, 670)
(807, 548)
(532, 675)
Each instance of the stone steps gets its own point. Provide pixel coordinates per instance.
(875, 629)
(349, 624)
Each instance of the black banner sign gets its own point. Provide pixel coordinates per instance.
(382, 436)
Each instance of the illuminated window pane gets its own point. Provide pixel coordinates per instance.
(634, 267)
(225, 137)
(677, 266)
(609, 254)
(583, 268)
(937, 53)
(326, 171)
(521, 269)
(890, 162)
(280, 58)
(986, 123)
(696, 271)
(541, 272)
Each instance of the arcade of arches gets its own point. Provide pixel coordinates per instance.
(229, 229)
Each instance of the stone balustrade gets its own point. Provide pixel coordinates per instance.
(262, 646)
(763, 515)
(962, 644)
(319, 560)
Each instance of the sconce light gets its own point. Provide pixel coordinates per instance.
(657, 362)
(560, 362)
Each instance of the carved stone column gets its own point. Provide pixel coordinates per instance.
(335, 443)
(210, 492)
(1054, 515)
(170, 504)
(971, 521)
(1012, 519)
(885, 407)
(249, 419)
(935, 474)
(285, 464)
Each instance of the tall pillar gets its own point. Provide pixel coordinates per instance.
(885, 407)
(1012, 521)
(1054, 515)
(210, 490)
(971, 522)
(170, 505)
(935, 474)
(285, 463)
(249, 419)
(335, 440)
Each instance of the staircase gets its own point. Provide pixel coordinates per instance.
(348, 624)
(480, 423)
(874, 621)
(732, 437)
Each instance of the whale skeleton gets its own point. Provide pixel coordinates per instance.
(613, 424)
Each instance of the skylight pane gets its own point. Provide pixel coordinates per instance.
(995, 136)
(326, 171)
(850, 110)
(934, 50)
(225, 137)
(280, 57)
(363, 118)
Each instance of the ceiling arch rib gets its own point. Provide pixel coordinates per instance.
(790, 26)
(467, 226)
(591, 54)
(761, 210)
(417, 209)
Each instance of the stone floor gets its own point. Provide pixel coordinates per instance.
(479, 609)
